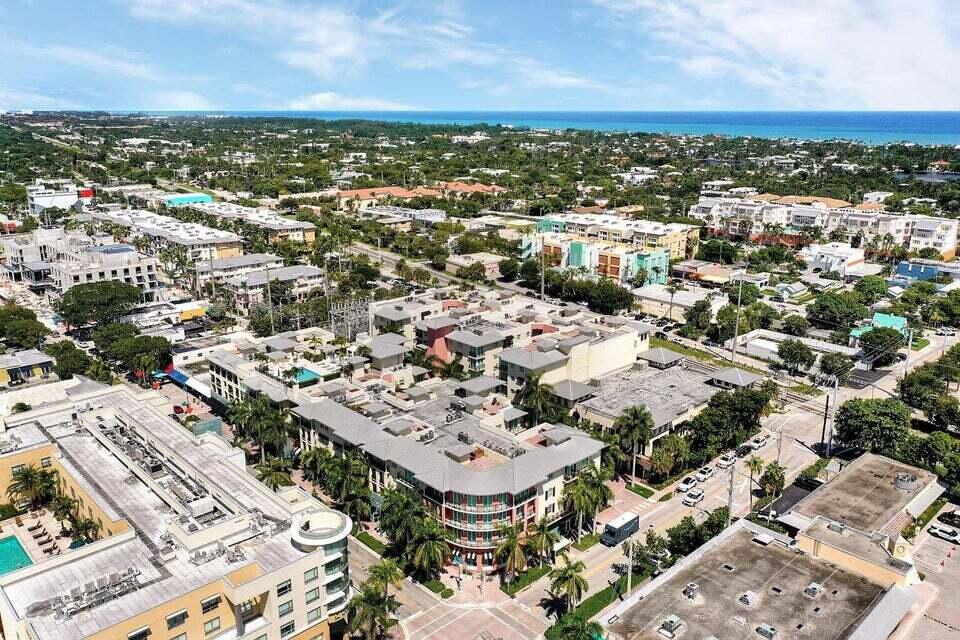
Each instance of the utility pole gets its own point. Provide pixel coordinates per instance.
(906, 361)
(629, 568)
(733, 468)
(273, 329)
(543, 271)
(823, 430)
(833, 414)
(736, 326)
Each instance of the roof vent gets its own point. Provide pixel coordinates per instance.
(670, 626)
(905, 481)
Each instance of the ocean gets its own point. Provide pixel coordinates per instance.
(873, 127)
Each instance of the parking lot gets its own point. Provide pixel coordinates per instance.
(939, 562)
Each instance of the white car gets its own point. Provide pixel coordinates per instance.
(727, 460)
(758, 442)
(704, 474)
(686, 484)
(693, 497)
(943, 331)
(944, 532)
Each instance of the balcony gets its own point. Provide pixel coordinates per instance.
(476, 526)
(475, 544)
(478, 508)
(319, 528)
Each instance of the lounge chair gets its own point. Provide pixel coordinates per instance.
(35, 526)
(39, 533)
(44, 540)
(18, 521)
(51, 550)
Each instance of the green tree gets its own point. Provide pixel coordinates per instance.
(881, 344)
(33, 485)
(796, 356)
(568, 582)
(24, 334)
(876, 425)
(275, 473)
(473, 272)
(576, 628)
(535, 396)
(837, 309)
(371, 613)
(385, 574)
(400, 515)
(922, 386)
(871, 288)
(836, 364)
(773, 479)
(509, 269)
(541, 539)
(511, 551)
(429, 548)
(635, 426)
(98, 302)
(796, 325)
(698, 318)
(755, 466)
(748, 293)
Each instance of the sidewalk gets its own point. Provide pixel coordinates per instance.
(477, 590)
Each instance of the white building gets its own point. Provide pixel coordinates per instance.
(251, 288)
(876, 197)
(834, 257)
(119, 262)
(276, 226)
(223, 268)
(61, 194)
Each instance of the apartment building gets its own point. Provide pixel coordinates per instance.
(490, 262)
(835, 257)
(619, 262)
(251, 288)
(277, 227)
(356, 199)
(224, 268)
(119, 262)
(678, 240)
(189, 544)
(201, 243)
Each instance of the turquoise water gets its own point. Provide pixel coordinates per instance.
(191, 198)
(877, 127)
(306, 375)
(12, 555)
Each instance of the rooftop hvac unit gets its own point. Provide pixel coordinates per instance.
(692, 590)
(813, 590)
(766, 631)
(748, 598)
(836, 527)
(670, 626)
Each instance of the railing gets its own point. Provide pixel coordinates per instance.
(478, 508)
(475, 544)
(476, 526)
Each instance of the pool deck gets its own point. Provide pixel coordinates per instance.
(26, 538)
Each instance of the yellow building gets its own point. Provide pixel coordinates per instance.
(26, 365)
(190, 546)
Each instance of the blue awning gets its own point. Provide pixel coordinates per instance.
(178, 376)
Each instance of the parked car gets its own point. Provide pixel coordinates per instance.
(693, 497)
(950, 518)
(660, 334)
(944, 331)
(704, 473)
(758, 442)
(727, 460)
(808, 483)
(944, 532)
(686, 484)
(744, 450)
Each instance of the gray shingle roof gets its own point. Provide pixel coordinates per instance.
(662, 356)
(737, 377)
(480, 385)
(572, 390)
(532, 360)
(472, 339)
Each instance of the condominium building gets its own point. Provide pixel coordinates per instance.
(188, 544)
(835, 257)
(251, 288)
(224, 268)
(201, 243)
(620, 262)
(276, 226)
(678, 240)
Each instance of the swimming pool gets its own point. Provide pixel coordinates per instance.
(12, 555)
(306, 375)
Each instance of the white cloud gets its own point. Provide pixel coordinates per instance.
(322, 40)
(841, 54)
(330, 101)
(179, 101)
(13, 99)
(105, 60)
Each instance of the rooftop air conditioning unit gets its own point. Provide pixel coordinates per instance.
(766, 631)
(813, 590)
(692, 590)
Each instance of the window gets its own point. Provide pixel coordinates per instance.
(287, 629)
(176, 619)
(211, 626)
(210, 604)
(179, 636)
(313, 615)
(283, 588)
(313, 594)
(46, 462)
(140, 634)
(286, 608)
(310, 576)
(246, 610)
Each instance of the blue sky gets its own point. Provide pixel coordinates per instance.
(479, 55)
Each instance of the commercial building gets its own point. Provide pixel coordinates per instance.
(61, 194)
(356, 199)
(490, 262)
(24, 366)
(188, 543)
(277, 227)
(657, 300)
(426, 216)
(678, 240)
(118, 262)
(202, 243)
(621, 262)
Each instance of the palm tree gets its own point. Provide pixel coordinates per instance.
(31, 484)
(63, 508)
(274, 473)
(84, 529)
(510, 552)
(672, 289)
(147, 364)
(386, 573)
(635, 426)
(371, 613)
(535, 396)
(579, 500)
(755, 465)
(99, 371)
(429, 547)
(596, 480)
(541, 539)
(313, 462)
(575, 628)
(568, 580)
(400, 515)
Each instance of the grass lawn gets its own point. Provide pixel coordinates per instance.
(665, 497)
(641, 490)
(919, 343)
(596, 603)
(587, 541)
(525, 579)
(375, 545)
(805, 298)
(806, 389)
(699, 354)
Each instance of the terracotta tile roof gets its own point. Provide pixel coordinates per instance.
(469, 187)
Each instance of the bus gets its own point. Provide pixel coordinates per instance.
(620, 528)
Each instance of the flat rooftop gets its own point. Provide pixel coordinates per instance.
(667, 393)
(777, 575)
(864, 496)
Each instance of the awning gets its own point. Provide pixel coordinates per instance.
(201, 388)
(178, 376)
